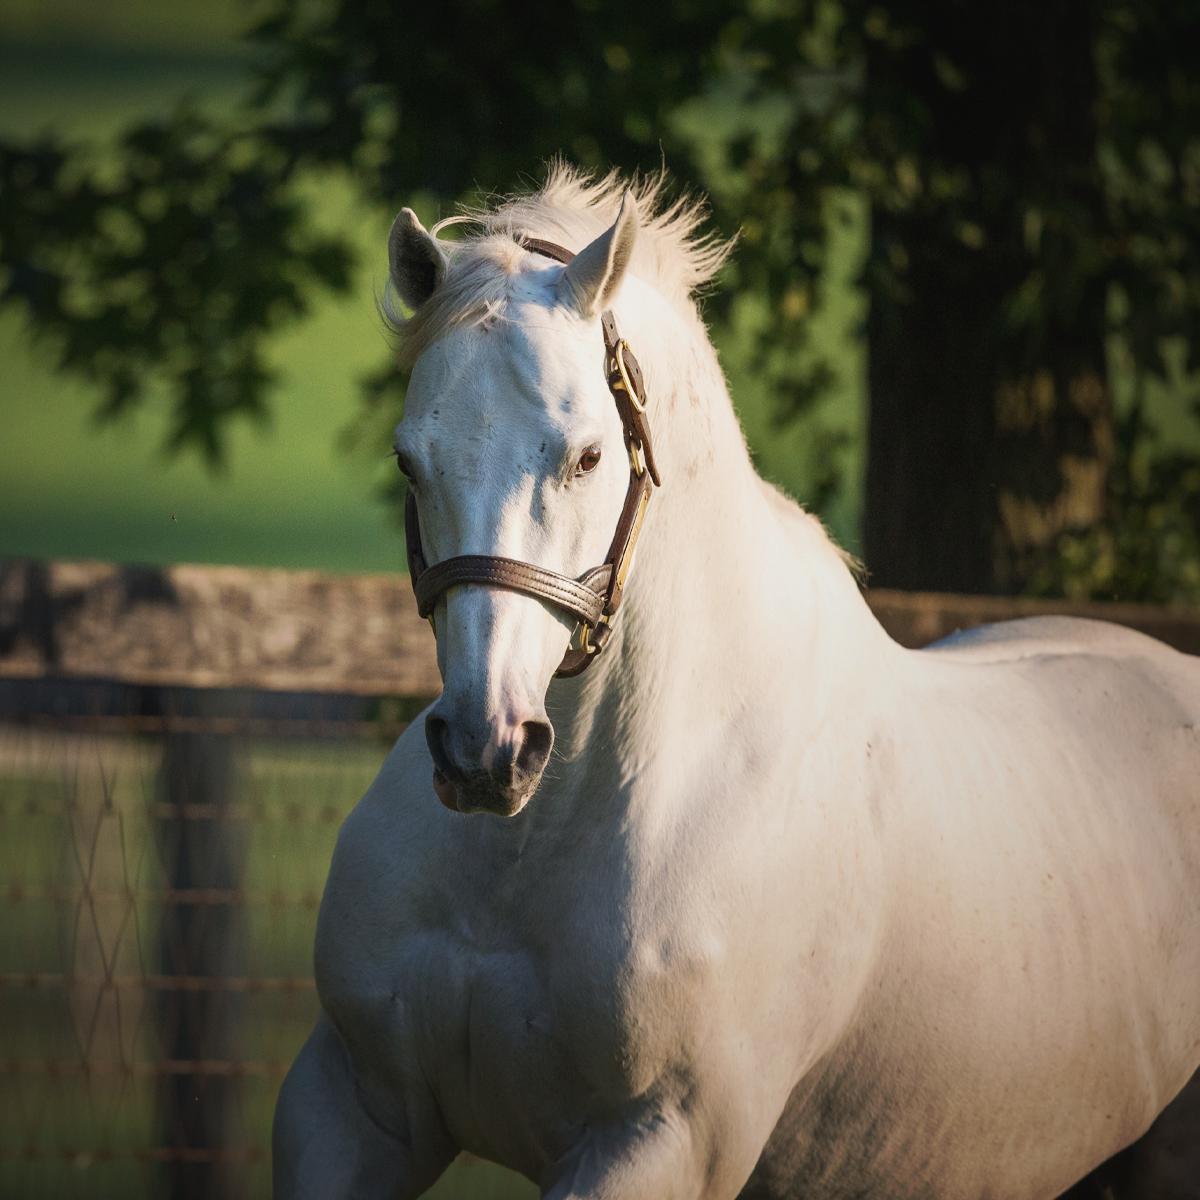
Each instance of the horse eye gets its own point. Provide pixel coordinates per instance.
(588, 460)
(402, 465)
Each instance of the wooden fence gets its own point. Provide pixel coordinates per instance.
(352, 635)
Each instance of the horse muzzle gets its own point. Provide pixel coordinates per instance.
(487, 766)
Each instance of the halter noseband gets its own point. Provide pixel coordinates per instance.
(594, 598)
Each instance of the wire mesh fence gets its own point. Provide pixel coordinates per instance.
(168, 806)
(160, 892)
(159, 883)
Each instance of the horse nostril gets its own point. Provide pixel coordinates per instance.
(436, 731)
(537, 739)
(513, 757)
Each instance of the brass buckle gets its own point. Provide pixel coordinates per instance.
(630, 391)
(637, 461)
(581, 639)
(589, 640)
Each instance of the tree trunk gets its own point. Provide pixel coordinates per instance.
(931, 497)
(990, 423)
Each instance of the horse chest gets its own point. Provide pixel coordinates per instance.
(524, 1046)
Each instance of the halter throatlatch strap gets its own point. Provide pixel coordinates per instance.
(594, 598)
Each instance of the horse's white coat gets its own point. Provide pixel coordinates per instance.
(795, 912)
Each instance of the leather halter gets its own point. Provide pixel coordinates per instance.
(595, 597)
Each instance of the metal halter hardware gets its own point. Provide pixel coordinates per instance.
(594, 598)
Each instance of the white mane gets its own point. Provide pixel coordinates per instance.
(575, 207)
(571, 207)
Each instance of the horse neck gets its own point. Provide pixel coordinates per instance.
(737, 602)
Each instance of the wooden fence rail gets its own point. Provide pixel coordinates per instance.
(359, 635)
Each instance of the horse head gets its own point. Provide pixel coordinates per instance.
(519, 469)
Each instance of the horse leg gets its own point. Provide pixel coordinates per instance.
(325, 1146)
(626, 1164)
(660, 1155)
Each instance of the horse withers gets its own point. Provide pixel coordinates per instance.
(693, 884)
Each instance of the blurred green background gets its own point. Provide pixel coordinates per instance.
(962, 322)
(75, 487)
(297, 488)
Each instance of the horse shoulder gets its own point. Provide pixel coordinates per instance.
(743, 969)
(374, 938)
(384, 851)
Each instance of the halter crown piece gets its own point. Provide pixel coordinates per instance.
(595, 597)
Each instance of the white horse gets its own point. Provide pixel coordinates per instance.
(794, 911)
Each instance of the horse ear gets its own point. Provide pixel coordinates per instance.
(415, 260)
(594, 274)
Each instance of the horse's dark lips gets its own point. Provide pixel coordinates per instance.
(459, 796)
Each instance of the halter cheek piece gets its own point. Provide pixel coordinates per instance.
(595, 597)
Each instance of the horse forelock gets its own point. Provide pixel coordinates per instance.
(671, 254)
(572, 208)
